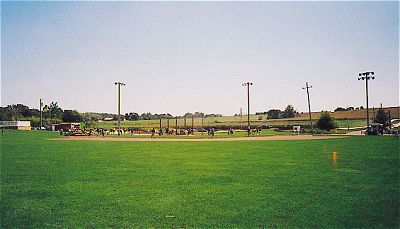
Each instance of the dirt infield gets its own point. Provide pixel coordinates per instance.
(264, 138)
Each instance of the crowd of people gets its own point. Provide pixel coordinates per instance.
(163, 131)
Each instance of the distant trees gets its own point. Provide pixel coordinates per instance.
(132, 116)
(17, 112)
(344, 109)
(326, 121)
(198, 114)
(92, 116)
(273, 114)
(212, 115)
(289, 112)
(52, 111)
(149, 116)
(71, 116)
(51, 114)
(340, 109)
(382, 117)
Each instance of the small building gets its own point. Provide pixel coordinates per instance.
(16, 125)
(67, 126)
(108, 119)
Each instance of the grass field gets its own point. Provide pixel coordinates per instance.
(198, 184)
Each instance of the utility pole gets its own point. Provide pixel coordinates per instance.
(119, 105)
(248, 106)
(41, 113)
(309, 106)
(160, 122)
(366, 76)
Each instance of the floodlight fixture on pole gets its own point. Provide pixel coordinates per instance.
(366, 76)
(248, 84)
(309, 107)
(119, 105)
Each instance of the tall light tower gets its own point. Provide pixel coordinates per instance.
(309, 107)
(248, 106)
(119, 105)
(366, 76)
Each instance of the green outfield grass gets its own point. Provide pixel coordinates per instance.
(198, 184)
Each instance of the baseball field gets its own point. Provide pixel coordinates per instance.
(335, 183)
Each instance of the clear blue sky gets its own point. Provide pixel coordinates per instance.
(182, 57)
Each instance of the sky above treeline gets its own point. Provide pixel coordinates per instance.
(178, 57)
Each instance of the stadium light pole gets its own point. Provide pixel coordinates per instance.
(119, 105)
(248, 84)
(309, 106)
(366, 76)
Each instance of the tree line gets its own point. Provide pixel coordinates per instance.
(51, 114)
(149, 116)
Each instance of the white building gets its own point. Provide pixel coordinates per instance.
(17, 125)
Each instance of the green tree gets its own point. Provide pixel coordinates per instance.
(289, 112)
(273, 114)
(55, 112)
(132, 116)
(326, 122)
(71, 116)
(6, 114)
(382, 117)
